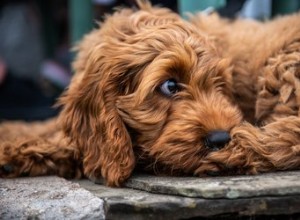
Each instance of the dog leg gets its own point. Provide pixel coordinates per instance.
(252, 150)
(46, 152)
(279, 86)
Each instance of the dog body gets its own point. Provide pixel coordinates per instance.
(156, 91)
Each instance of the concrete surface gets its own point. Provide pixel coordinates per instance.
(47, 198)
(272, 196)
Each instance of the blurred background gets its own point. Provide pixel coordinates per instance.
(36, 37)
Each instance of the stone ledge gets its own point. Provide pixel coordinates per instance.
(136, 204)
(229, 187)
(156, 198)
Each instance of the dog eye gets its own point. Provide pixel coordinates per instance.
(169, 87)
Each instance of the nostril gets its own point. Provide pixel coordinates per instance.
(216, 140)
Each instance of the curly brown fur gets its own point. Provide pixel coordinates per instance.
(37, 149)
(117, 115)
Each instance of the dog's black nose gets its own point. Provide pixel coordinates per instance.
(216, 140)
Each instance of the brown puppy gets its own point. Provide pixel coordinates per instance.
(154, 90)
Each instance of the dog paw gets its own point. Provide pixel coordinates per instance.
(7, 170)
(9, 163)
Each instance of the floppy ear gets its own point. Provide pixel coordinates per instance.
(89, 117)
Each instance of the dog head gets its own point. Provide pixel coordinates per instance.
(147, 82)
